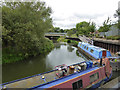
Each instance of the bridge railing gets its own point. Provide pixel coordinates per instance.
(57, 33)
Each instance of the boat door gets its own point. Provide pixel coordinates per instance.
(103, 53)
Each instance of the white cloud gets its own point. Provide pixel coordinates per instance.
(66, 13)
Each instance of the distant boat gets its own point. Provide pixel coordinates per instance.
(86, 74)
(92, 51)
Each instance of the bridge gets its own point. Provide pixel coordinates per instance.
(55, 34)
(80, 38)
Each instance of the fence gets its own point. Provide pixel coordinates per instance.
(114, 31)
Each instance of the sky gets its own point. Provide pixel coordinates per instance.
(67, 13)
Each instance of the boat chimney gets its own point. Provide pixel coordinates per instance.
(100, 61)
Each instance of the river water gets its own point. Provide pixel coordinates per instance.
(61, 54)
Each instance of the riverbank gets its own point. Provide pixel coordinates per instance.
(72, 42)
(11, 55)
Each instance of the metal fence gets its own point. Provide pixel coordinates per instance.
(102, 34)
(114, 31)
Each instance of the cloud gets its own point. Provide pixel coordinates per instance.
(66, 13)
(87, 16)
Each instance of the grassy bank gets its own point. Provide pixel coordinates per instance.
(10, 54)
(110, 37)
(113, 37)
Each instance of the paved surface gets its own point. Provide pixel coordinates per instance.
(86, 39)
(83, 39)
(115, 83)
(117, 42)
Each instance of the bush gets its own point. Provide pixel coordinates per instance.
(62, 39)
(75, 42)
(10, 54)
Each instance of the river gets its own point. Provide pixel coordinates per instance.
(61, 54)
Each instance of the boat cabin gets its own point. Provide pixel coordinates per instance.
(81, 75)
(93, 52)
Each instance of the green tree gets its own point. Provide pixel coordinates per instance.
(57, 29)
(84, 28)
(106, 26)
(61, 30)
(69, 33)
(24, 26)
(117, 14)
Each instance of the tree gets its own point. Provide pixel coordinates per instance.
(117, 14)
(106, 26)
(84, 28)
(61, 30)
(69, 33)
(24, 26)
(56, 29)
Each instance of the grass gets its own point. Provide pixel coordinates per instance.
(113, 37)
(62, 39)
(73, 36)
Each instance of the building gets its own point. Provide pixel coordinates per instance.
(119, 10)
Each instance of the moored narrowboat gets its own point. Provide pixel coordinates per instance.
(87, 74)
(93, 52)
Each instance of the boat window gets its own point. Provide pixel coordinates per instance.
(77, 85)
(84, 47)
(80, 84)
(57, 89)
(94, 77)
(87, 48)
(91, 50)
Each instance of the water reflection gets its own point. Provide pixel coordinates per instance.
(24, 68)
(82, 55)
(70, 48)
(63, 56)
(57, 45)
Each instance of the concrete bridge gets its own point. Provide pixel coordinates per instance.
(55, 34)
(80, 38)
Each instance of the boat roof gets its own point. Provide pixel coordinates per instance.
(69, 77)
(50, 78)
(93, 47)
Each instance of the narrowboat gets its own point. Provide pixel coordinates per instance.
(87, 74)
(92, 51)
